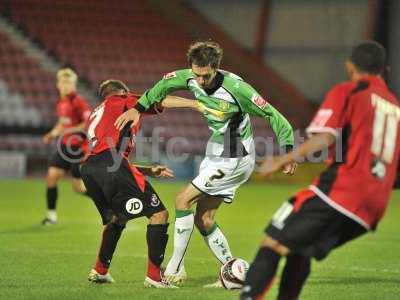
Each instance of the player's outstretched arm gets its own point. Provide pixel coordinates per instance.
(252, 103)
(316, 143)
(171, 82)
(78, 128)
(53, 133)
(180, 102)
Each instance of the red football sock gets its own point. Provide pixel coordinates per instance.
(153, 271)
(100, 267)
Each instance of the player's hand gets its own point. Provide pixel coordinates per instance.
(128, 116)
(200, 107)
(270, 165)
(204, 109)
(162, 171)
(47, 138)
(290, 168)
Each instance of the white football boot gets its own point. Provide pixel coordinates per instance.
(99, 278)
(163, 284)
(176, 278)
(48, 222)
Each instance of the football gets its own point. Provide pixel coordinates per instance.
(233, 273)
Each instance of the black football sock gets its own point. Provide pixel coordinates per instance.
(51, 195)
(261, 274)
(111, 234)
(157, 239)
(295, 273)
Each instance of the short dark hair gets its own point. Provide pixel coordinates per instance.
(205, 53)
(369, 57)
(111, 85)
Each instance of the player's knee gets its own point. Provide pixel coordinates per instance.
(203, 222)
(78, 186)
(181, 201)
(275, 245)
(52, 178)
(159, 218)
(119, 220)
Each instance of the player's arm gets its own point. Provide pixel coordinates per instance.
(316, 143)
(53, 133)
(74, 129)
(252, 103)
(180, 102)
(170, 83)
(156, 171)
(59, 129)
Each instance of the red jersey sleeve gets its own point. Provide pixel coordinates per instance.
(83, 108)
(61, 110)
(131, 101)
(330, 116)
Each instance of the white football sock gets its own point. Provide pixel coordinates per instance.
(218, 244)
(182, 233)
(52, 214)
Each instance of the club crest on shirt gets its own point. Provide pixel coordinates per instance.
(259, 101)
(223, 105)
(154, 200)
(170, 75)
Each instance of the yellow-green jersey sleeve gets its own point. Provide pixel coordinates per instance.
(170, 83)
(251, 102)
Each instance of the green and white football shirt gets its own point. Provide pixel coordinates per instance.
(232, 101)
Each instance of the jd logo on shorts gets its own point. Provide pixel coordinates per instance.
(134, 206)
(154, 200)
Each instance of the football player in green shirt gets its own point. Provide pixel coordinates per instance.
(227, 102)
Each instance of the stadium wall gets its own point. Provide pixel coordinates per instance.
(293, 42)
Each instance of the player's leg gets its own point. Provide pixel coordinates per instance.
(112, 226)
(312, 230)
(78, 186)
(133, 197)
(184, 223)
(53, 176)
(157, 238)
(77, 183)
(299, 267)
(262, 270)
(110, 237)
(289, 234)
(205, 222)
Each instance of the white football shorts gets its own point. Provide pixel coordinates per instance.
(221, 176)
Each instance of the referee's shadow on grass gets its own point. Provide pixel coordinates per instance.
(354, 280)
(36, 228)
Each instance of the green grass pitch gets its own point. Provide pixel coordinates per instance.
(53, 262)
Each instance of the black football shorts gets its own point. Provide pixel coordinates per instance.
(67, 158)
(314, 229)
(115, 190)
